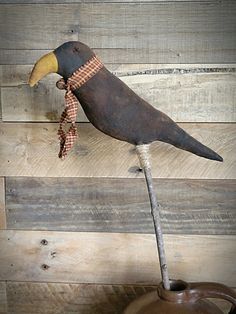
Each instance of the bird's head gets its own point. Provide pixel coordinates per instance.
(64, 60)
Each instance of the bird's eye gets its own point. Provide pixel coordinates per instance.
(76, 49)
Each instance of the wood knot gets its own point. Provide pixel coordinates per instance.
(45, 267)
(44, 242)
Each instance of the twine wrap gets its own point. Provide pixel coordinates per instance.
(79, 77)
(143, 155)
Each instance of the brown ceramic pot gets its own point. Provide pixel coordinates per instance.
(183, 298)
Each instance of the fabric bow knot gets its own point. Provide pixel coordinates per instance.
(79, 77)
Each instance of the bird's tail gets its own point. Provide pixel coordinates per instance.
(181, 139)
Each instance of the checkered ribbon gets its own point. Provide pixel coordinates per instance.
(79, 77)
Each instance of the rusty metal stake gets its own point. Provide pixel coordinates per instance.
(143, 154)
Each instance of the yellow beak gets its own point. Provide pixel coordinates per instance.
(45, 65)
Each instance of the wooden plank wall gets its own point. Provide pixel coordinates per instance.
(76, 236)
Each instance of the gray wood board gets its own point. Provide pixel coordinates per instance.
(97, 1)
(120, 205)
(2, 204)
(17, 75)
(108, 56)
(143, 33)
(31, 149)
(186, 94)
(3, 298)
(51, 298)
(114, 258)
(0, 105)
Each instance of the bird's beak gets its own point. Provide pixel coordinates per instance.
(45, 65)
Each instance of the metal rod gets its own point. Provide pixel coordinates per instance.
(143, 154)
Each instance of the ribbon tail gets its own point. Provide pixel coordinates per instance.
(67, 138)
(62, 139)
(67, 141)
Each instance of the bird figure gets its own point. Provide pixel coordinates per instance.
(112, 107)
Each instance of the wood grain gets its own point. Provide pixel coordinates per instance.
(197, 95)
(142, 33)
(94, 1)
(0, 104)
(17, 75)
(108, 56)
(22, 56)
(32, 149)
(90, 257)
(2, 204)
(51, 298)
(54, 298)
(121, 32)
(3, 298)
(120, 205)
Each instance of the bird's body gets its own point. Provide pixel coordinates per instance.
(113, 108)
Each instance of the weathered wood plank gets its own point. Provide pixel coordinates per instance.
(22, 56)
(2, 204)
(16, 74)
(42, 103)
(90, 257)
(3, 298)
(0, 103)
(120, 205)
(94, 1)
(108, 56)
(196, 95)
(164, 40)
(51, 298)
(54, 298)
(32, 149)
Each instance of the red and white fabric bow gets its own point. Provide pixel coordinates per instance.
(81, 76)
